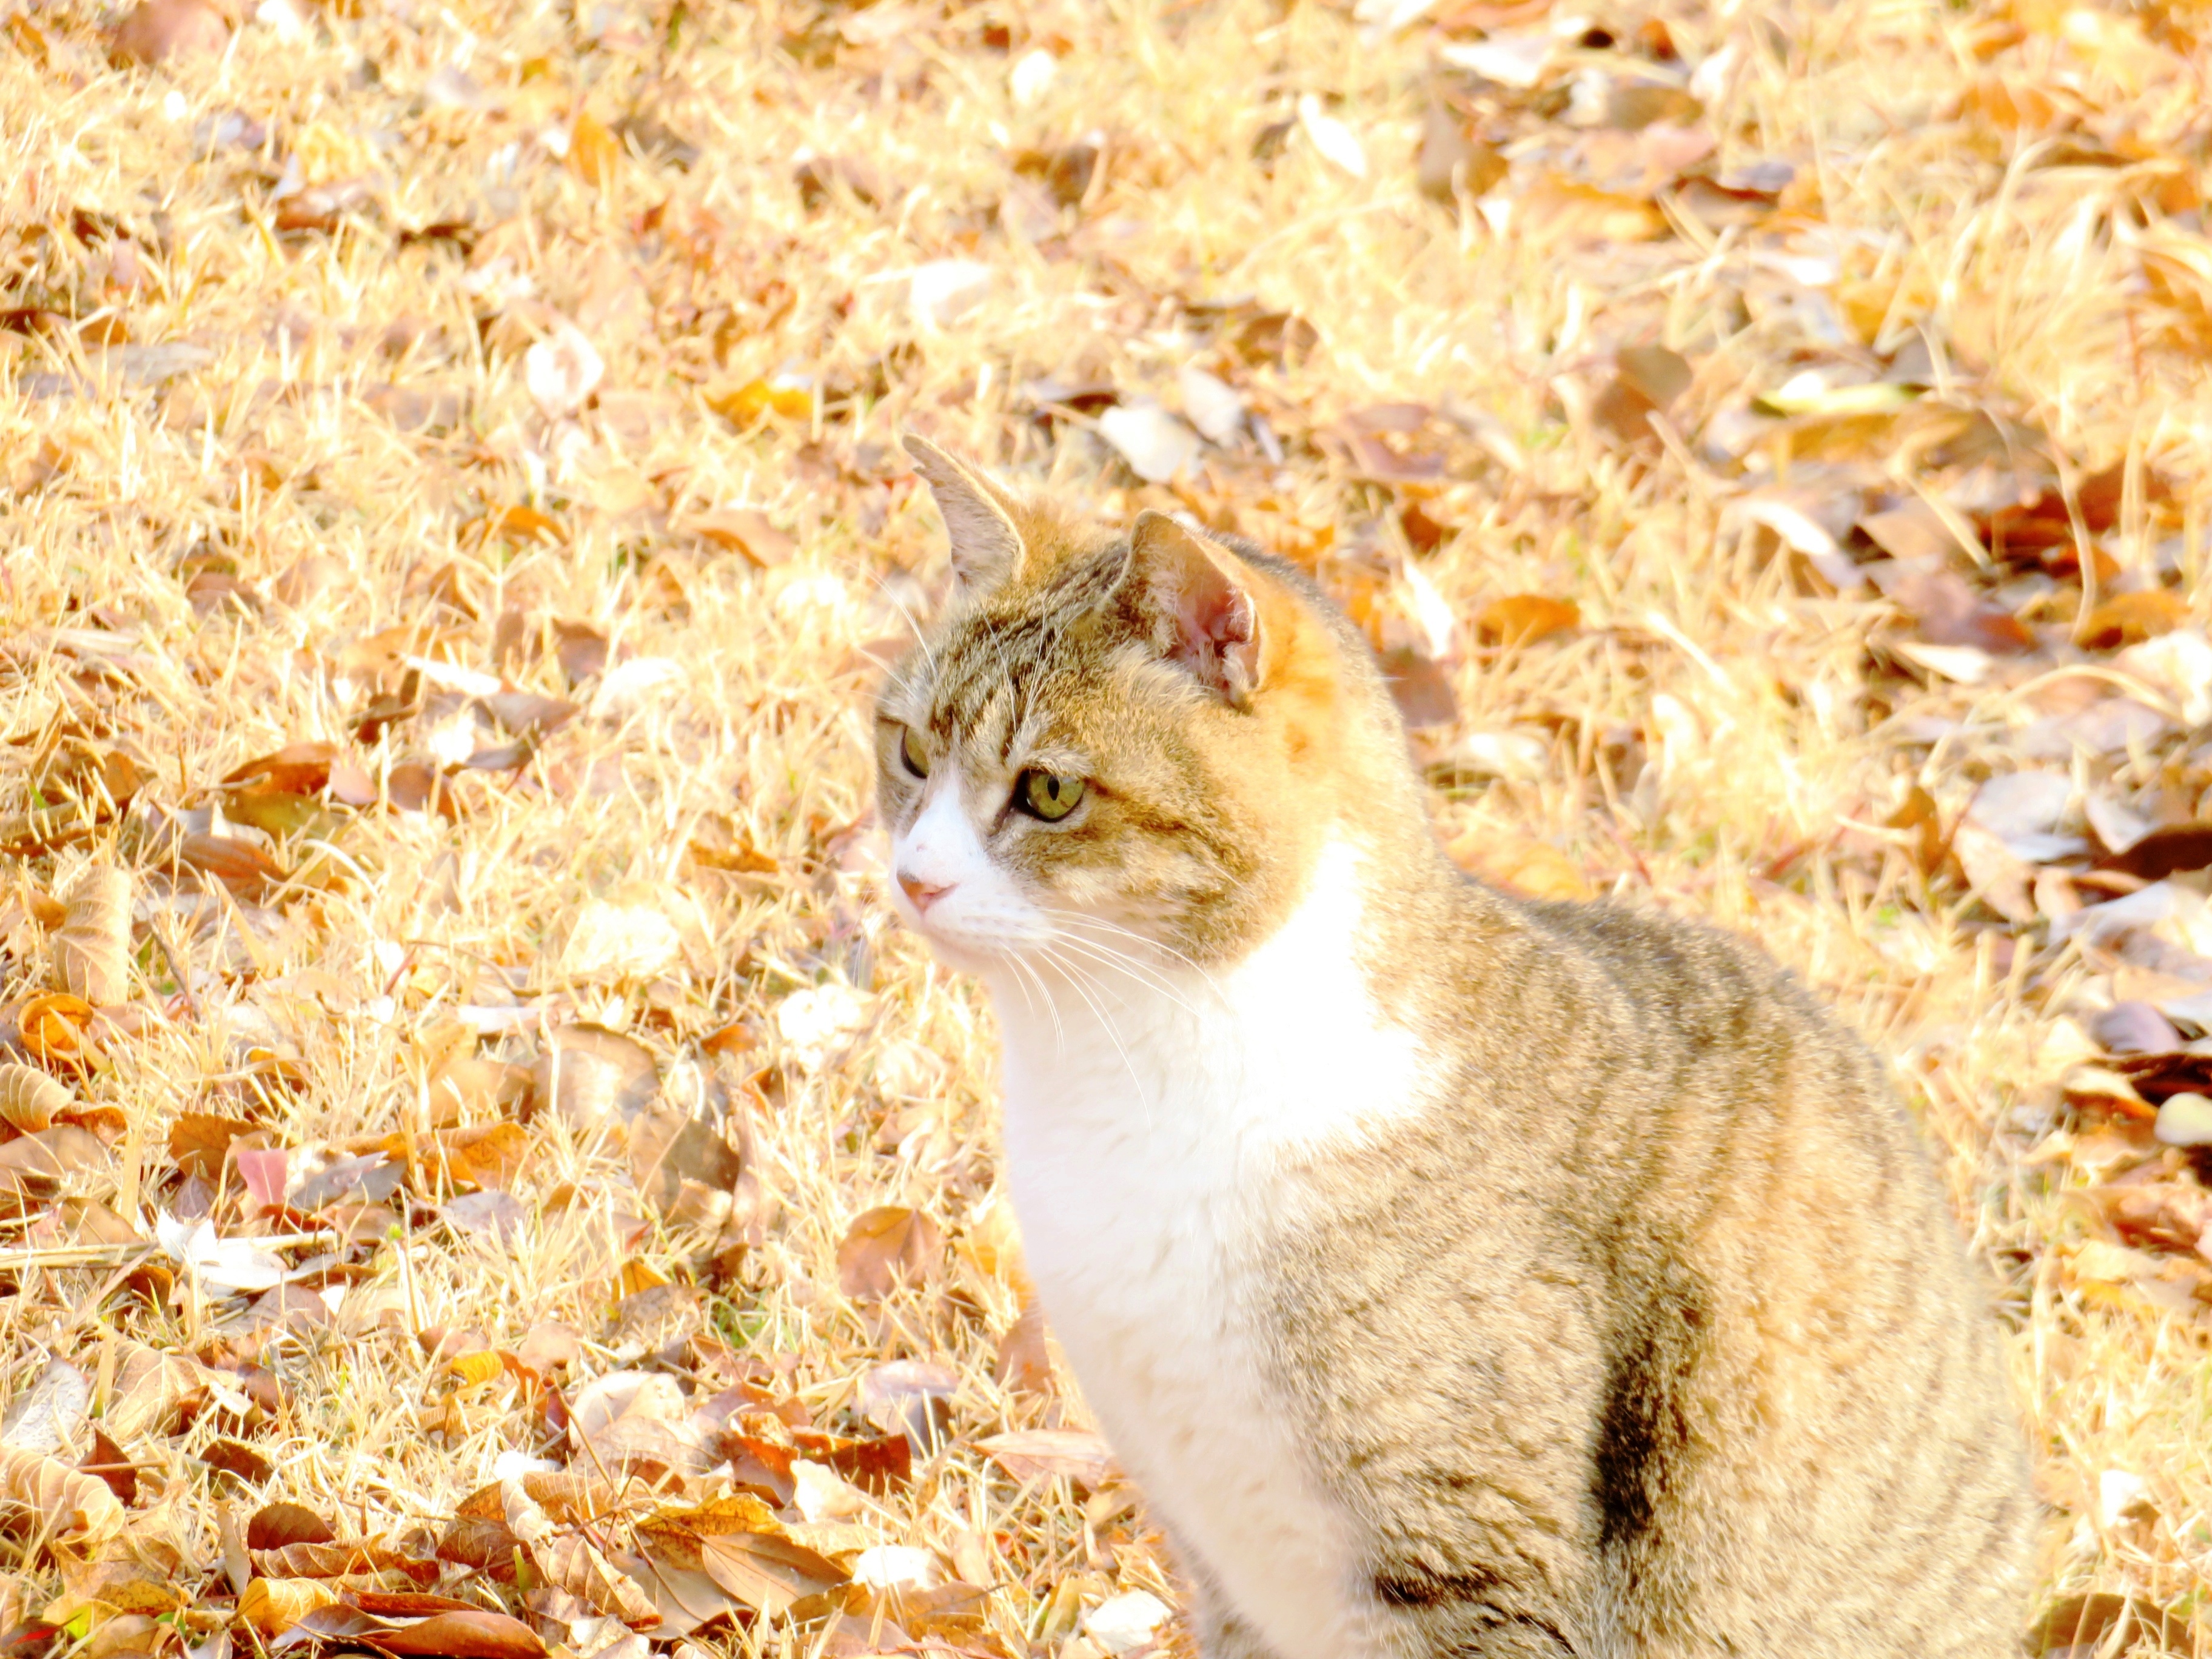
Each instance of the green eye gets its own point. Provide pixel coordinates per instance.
(910, 751)
(1047, 795)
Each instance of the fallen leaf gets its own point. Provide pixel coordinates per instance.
(106, 1462)
(911, 1398)
(1042, 1454)
(884, 1247)
(49, 1416)
(1521, 619)
(92, 952)
(741, 530)
(488, 1156)
(1338, 145)
(589, 1075)
(1646, 381)
(30, 1100)
(1023, 1365)
(156, 31)
(55, 1029)
(569, 1560)
(1156, 445)
(236, 1458)
(562, 370)
(225, 1265)
(2131, 618)
(768, 1572)
(1996, 875)
(1554, 206)
(469, 1633)
(1451, 159)
(239, 865)
(1421, 687)
(39, 1494)
(1124, 1623)
(1211, 404)
(2164, 852)
(1950, 613)
(199, 1142)
(278, 1525)
(592, 150)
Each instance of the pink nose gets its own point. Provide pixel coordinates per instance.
(922, 893)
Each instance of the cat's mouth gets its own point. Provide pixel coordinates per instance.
(966, 935)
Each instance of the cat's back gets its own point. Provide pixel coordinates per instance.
(1730, 1269)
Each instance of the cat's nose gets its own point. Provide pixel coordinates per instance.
(923, 893)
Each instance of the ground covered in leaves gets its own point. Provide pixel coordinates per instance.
(482, 1175)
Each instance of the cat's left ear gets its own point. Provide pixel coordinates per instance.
(1201, 603)
(978, 516)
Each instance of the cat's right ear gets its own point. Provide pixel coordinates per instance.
(978, 516)
(1210, 623)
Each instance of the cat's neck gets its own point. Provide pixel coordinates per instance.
(1296, 1046)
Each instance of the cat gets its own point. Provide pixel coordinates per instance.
(1455, 1274)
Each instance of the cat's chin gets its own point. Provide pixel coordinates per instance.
(986, 960)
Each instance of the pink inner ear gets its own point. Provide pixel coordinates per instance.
(1216, 628)
(1219, 634)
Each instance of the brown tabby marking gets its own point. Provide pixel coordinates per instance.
(1619, 1316)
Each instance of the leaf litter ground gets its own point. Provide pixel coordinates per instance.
(482, 1175)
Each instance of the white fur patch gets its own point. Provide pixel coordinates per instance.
(1151, 1122)
(983, 912)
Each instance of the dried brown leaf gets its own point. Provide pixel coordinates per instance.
(768, 1572)
(199, 1142)
(156, 31)
(742, 530)
(42, 1495)
(238, 864)
(106, 1462)
(468, 1634)
(2131, 618)
(1421, 687)
(92, 952)
(884, 1247)
(570, 1561)
(488, 1156)
(592, 150)
(1023, 1365)
(56, 1030)
(1042, 1454)
(273, 1606)
(30, 1100)
(1521, 619)
(278, 1525)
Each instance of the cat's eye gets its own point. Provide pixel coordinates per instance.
(910, 751)
(1047, 795)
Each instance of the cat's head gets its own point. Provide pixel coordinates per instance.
(1137, 743)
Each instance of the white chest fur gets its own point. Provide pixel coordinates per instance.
(1150, 1130)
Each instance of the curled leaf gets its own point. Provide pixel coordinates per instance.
(40, 1495)
(30, 1100)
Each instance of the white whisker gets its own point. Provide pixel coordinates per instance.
(1122, 962)
(920, 638)
(1077, 981)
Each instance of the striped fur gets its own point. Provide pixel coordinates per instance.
(1462, 1276)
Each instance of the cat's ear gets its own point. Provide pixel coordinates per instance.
(1211, 623)
(978, 516)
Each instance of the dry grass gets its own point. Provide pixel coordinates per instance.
(203, 548)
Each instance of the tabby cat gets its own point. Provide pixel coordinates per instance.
(1457, 1274)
